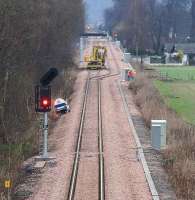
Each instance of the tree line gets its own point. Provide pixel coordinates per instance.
(34, 36)
(149, 24)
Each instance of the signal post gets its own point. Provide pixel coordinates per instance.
(43, 105)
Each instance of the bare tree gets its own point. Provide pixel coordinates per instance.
(147, 24)
(34, 35)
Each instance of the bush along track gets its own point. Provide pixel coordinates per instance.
(179, 157)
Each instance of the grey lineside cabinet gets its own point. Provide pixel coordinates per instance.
(158, 134)
(124, 74)
(127, 57)
(118, 44)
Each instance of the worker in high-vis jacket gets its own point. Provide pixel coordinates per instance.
(131, 74)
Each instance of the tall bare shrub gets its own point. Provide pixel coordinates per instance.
(179, 157)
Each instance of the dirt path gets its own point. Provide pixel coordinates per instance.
(154, 158)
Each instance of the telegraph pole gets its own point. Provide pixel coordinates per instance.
(136, 29)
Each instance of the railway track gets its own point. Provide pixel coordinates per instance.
(75, 169)
(100, 146)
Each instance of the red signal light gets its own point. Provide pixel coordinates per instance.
(45, 102)
(42, 99)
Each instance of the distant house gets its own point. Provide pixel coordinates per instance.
(187, 48)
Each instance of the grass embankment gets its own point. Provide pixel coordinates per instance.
(180, 97)
(179, 93)
(12, 156)
(172, 100)
(181, 73)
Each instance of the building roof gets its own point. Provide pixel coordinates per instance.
(187, 48)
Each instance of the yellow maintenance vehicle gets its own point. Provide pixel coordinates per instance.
(98, 57)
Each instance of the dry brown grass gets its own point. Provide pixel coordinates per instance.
(179, 157)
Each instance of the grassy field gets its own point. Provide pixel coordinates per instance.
(177, 72)
(179, 94)
(180, 97)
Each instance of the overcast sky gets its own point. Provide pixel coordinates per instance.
(95, 10)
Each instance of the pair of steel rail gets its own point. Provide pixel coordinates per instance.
(73, 180)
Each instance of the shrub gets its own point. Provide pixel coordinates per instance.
(179, 157)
